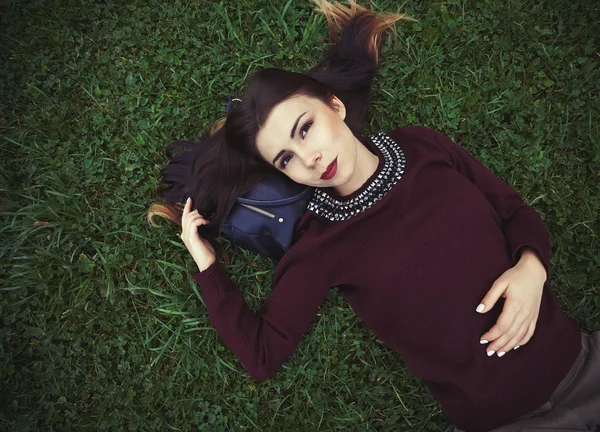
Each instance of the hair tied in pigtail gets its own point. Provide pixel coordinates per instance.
(230, 103)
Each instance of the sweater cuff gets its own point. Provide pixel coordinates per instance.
(527, 229)
(209, 279)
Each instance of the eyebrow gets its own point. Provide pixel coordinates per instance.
(291, 136)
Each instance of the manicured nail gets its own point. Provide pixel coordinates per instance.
(480, 308)
(187, 200)
(483, 341)
(501, 353)
(517, 347)
(491, 353)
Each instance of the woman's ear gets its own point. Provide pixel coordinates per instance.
(338, 106)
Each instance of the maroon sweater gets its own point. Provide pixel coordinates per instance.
(413, 262)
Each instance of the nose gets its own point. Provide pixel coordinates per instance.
(311, 158)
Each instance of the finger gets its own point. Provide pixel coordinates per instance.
(498, 288)
(496, 347)
(192, 237)
(197, 217)
(187, 216)
(190, 223)
(528, 335)
(514, 341)
(186, 208)
(196, 222)
(503, 324)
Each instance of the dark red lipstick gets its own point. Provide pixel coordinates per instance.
(331, 170)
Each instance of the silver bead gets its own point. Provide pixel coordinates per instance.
(393, 168)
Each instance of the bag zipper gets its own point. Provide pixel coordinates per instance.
(258, 210)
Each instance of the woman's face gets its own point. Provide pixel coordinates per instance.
(302, 137)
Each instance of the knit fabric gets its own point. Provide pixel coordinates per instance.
(414, 266)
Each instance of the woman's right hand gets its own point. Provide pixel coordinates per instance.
(201, 250)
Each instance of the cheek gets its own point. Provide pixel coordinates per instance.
(330, 131)
(340, 135)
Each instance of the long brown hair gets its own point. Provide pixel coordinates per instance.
(225, 163)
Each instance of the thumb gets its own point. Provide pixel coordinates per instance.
(492, 296)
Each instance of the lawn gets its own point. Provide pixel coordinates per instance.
(102, 327)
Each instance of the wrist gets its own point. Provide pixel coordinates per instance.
(530, 260)
(204, 265)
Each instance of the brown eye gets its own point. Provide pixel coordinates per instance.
(305, 128)
(285, 160)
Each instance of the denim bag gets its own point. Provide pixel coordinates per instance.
(264, 219)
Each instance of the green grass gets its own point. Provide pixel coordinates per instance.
(102, 326)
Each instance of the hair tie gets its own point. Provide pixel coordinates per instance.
(230, 104)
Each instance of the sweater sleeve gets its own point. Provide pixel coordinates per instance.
(263, 341)
(522, 225)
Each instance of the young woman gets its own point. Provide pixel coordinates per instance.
(440, 258)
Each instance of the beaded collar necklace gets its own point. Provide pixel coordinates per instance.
(325, 205)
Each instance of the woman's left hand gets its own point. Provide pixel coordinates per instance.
(521, 286)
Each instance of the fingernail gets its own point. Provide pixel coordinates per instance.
(483, 341)
(491, 353)
(480, 308)
(187, 200)
(517, 347)
(501, 353)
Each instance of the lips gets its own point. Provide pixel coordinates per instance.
(330, 171)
